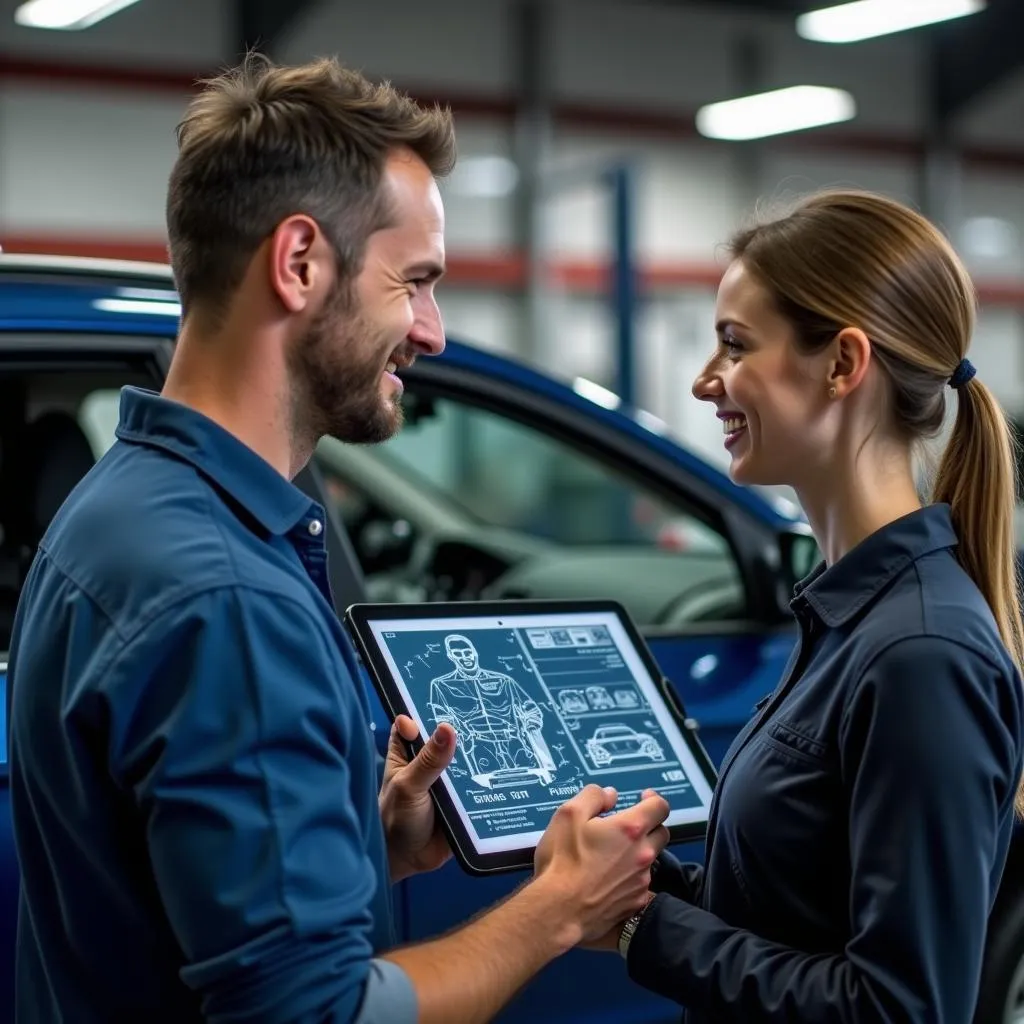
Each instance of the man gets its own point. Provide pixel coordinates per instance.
(498, 723)
(194, 787)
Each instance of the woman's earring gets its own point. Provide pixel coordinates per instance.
(832, 392)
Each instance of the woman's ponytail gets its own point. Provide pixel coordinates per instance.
(977, 478)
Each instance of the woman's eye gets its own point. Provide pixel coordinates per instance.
(731, 345)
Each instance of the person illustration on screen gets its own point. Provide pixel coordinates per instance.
(498, 723)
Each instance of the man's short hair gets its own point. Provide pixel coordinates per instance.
(263, 142)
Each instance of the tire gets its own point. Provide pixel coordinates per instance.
(1001, 997)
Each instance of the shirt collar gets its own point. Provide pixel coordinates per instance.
(838, 592)
(147, 418)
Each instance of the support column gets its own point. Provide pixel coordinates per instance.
(940, 170)
(750, 78)
(532, 144)
(260, 24)
(624, 284)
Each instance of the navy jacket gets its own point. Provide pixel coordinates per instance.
(193, 779)
(863, 816)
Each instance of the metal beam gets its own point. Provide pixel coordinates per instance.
(260, 24)
(939, 172)
(625, 284)
(973, 54)
(533, 141)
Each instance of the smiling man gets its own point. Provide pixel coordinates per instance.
(196, 794)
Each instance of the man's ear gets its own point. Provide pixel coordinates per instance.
(851, 357)
(300, 262)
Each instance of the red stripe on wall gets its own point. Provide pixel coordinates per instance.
(598, 117)
(501, 271)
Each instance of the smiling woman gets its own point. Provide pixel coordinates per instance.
(842, 328)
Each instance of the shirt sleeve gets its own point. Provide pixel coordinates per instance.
(930, 748)
(681, 879)
(389, 997)
(235, 752)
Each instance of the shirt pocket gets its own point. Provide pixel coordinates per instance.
(793, 742)
(786, 822)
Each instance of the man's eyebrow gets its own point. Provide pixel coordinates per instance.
(429, 269)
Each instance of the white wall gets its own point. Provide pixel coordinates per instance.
(91, 160)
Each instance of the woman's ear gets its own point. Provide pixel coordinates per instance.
(849, 362)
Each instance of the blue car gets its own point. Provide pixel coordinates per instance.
(503, 483)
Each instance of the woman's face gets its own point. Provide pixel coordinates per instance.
(772, 401)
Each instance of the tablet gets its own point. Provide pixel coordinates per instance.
(545, 698)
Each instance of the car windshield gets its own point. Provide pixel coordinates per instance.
(502, 474)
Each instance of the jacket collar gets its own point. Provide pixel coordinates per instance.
(147, 418)
(838, 592)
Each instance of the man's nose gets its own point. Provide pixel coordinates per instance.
(427, 331)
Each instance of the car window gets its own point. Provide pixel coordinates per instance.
(97, 416)
(467, 503)
(54, 424)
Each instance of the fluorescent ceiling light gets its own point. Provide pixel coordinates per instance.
(849, 23)
(67, 14)
(773, 113)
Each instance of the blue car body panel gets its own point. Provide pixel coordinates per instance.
(719, 675)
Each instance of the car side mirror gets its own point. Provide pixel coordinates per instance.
(798, 555)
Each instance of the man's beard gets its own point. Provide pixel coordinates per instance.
(336, 369)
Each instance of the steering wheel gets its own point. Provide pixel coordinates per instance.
(718, 601)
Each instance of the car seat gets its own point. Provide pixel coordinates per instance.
(62, 456)
(50, 457)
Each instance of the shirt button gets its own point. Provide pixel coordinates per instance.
(316, 528)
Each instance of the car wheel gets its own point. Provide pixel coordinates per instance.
(1001, 999)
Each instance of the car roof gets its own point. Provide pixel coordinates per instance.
(59, 294)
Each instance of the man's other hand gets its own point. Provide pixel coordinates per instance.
(415, 839)
(596, 865)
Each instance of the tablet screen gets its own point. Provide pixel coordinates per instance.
(542, 706)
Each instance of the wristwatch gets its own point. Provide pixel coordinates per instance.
(626, 935)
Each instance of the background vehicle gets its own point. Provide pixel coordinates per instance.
(504, 483)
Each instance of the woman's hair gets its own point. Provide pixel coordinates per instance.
(855, 259)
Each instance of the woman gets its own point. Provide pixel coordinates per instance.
(863, 816)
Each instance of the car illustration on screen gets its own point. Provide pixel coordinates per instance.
(611, 743)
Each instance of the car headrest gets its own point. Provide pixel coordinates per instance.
(60, 455)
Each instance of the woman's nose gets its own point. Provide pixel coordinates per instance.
(707, 385)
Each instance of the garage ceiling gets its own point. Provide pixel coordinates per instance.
(969, 55)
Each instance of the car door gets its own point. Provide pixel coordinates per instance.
(58, 408)
(494, 491)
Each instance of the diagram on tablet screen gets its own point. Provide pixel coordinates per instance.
(499, 725)
(538, 713)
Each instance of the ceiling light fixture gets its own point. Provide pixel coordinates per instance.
(774, 113)
(865, 19)
(67, 14)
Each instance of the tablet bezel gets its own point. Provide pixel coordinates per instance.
(358, 619)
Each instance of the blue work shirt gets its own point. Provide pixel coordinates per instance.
(862, 818)
(194, 781)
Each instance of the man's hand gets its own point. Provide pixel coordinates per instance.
(414, 836)
(609, 942)
(598, 869)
